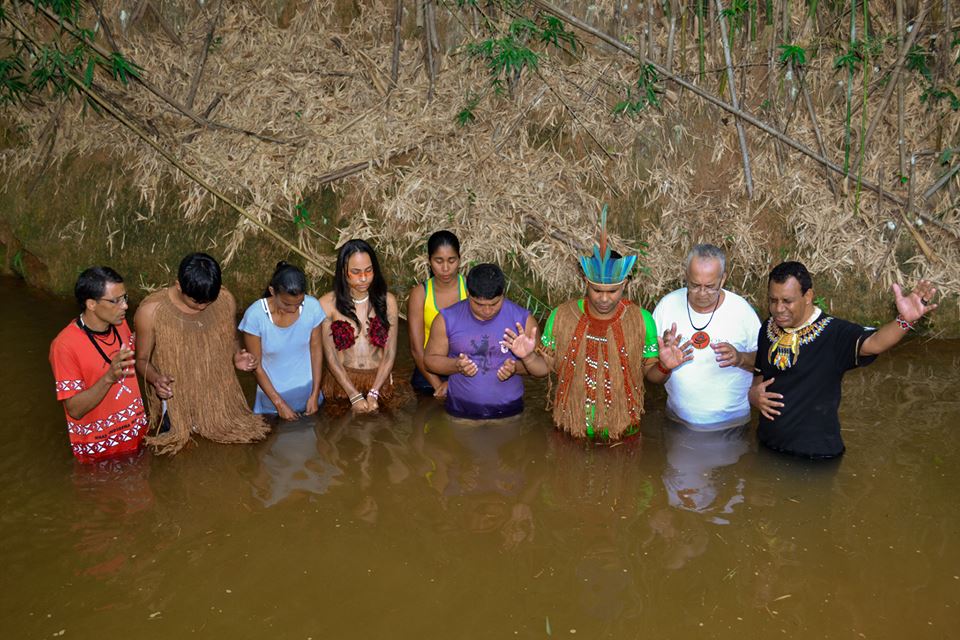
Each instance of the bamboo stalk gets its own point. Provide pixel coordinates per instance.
(771, 82)
(816, 130)
(942, 180)
(109, 108)
(731, 81)
(57, 21)
(195, 80)
(894, 80)
(905, 214)
(846, 130)
(428, 50)
(672, 34)
(901, 146)
(651, 43)
(397, 42)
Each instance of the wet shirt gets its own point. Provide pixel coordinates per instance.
(285, 353)
(809, 377)
(117, 425)
(482, 396)
(701, 394)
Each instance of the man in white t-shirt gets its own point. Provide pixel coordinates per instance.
(710, 391)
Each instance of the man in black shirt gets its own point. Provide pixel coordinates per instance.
(802, 354)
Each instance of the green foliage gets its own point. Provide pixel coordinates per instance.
(793, 54)
(646, 95)
(466, 115)
(17, 263)
(851, 59)
(508, 54)
(820, 301)
(12, 84)
(301, 216)
(946, 156)
(506, 58)
(122, 69)
(919, 59)
(932, 96)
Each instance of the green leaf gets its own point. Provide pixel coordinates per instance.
(946, 156)
(88, 74)
(793, 54)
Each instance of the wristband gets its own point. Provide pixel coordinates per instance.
(661, 369)
(903, 324)
(373, 393)
(357, 398)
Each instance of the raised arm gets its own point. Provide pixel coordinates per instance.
(911, 308)
(522, 342)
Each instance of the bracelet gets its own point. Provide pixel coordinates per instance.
(373, 393)
(903, 324)
(357, 398)
(660, 368)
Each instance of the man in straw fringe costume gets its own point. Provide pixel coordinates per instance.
(187, 349)
(802, 355)
(601, 348)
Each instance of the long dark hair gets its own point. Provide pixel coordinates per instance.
(439, 239)
(377, 290)
(287, 278)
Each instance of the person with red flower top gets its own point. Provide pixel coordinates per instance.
(359, 332)
(93, 365)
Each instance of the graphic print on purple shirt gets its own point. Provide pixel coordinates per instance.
(482, 396)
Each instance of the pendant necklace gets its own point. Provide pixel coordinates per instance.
(701, 339)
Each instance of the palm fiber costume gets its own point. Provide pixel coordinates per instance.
(197, 350)
(599, 361)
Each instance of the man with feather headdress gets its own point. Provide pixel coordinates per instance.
(601, 348)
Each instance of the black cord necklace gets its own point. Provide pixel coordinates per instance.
(701, 339)
(92, 335)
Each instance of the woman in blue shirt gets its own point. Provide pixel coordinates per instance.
(281, 329)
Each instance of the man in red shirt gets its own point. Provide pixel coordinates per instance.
(92, 361)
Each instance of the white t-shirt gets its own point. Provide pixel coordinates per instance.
(699, 393)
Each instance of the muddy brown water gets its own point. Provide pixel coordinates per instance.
(413, 525)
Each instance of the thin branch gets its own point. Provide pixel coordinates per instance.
(731, 82)
(208, 41)
(397, 42)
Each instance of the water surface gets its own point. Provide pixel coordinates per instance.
(413, 525)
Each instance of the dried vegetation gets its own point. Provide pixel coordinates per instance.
(523, 179)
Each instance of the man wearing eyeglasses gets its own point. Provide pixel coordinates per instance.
(93, 366)
(709, 392)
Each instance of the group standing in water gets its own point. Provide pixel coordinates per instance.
(471, 347)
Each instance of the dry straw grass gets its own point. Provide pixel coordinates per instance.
(524, 182)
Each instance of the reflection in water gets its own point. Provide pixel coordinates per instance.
(293, 461)
(428, 527)
(109, 493)
(694, 459)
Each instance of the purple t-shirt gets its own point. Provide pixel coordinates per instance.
(482, 396)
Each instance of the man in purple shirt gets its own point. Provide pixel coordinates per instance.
(466, 344)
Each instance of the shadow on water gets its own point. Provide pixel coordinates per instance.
(414, 524)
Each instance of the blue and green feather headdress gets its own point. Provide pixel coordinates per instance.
(601, 267)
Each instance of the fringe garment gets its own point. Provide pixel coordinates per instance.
(362, 379)
(197, 351)
(599, 368)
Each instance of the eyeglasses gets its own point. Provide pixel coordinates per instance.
(705, 288)
(124, 299)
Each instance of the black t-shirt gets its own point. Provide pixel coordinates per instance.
(808, 423)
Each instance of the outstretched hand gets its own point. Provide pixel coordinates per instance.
(917, 303)
(518, 342)
(672, 353)
(767, 402)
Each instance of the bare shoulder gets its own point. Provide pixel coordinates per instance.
(328, 303)
(416, 297)
(146, 312)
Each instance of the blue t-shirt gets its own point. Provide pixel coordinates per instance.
(285, 353)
